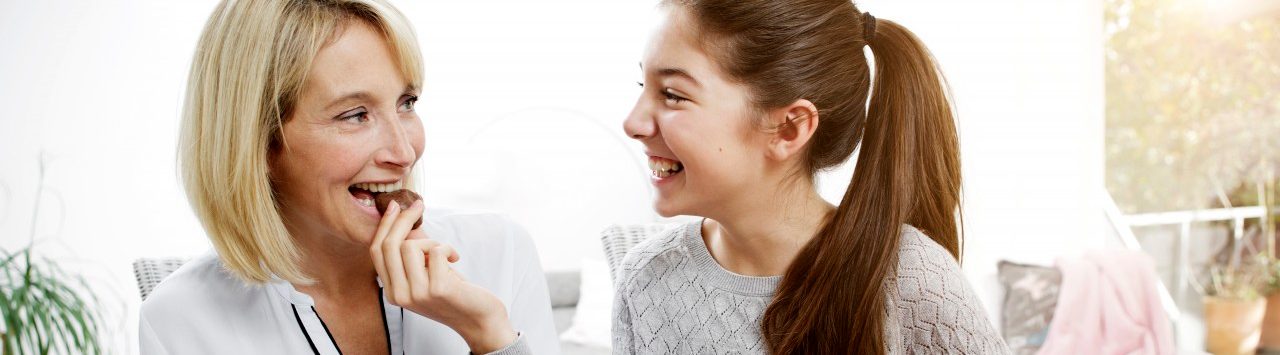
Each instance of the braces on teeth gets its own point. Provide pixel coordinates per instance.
(663, 168)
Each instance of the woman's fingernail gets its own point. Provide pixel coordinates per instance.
(416, 204)
(393, 207)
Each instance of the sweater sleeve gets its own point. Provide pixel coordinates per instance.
(621, 326)
(623, 336)
(937, 309)
(518, 347)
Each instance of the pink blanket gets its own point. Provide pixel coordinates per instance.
(1109, 304)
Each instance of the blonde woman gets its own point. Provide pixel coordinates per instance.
(297, 114)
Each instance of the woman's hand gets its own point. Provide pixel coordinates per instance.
(416, 276)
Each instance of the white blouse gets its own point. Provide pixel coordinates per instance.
(202, 309)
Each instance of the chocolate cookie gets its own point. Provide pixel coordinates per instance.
(403, 197)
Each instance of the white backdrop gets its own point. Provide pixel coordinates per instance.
(523, 106)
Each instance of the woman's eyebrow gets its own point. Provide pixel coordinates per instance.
(355, 96)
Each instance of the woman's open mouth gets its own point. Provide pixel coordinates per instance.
(364, 193)
(663, 168)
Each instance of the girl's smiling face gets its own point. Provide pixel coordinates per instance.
(352, 129)
(697, 126)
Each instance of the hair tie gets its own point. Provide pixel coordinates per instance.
(868, 27)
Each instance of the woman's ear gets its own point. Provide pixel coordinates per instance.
(793, 125)
(275, 149)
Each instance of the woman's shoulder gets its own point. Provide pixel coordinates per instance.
(202, 284)
(495, 249)
(471, 229)
(472, 218)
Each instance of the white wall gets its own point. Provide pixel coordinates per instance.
(96, 86)
(523, 107)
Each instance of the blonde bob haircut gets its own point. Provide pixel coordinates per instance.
(248, 69)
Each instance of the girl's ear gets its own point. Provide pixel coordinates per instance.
(793, 126)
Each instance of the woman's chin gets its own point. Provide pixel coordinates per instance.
(362, 235)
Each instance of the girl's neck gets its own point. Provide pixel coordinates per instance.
(763, 238)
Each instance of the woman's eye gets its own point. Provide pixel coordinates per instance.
(407, 105)
(359, 116)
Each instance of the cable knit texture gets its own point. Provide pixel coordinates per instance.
(673, 298)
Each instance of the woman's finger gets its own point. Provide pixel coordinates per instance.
(375, 248)
(414, 253)
(438, 270)
(417, 234)
(391, 252)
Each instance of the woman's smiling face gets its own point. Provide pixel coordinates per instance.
(353, 124)
(698, 127)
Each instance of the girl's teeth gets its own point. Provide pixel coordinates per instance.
(367, 202)
(663, 168)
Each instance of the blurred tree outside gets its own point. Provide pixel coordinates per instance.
(1192, 101)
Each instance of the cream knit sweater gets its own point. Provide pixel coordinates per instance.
(673, 298)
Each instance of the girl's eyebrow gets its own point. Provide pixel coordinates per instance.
(678, 72)
(665, 72)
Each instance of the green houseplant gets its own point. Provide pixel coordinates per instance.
(45, 308)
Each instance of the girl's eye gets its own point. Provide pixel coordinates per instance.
(673, 97)
(408, 103)
(355, 116)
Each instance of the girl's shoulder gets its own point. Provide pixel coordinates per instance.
(633, 247)
(926, 272)
(918, 253)
(931, 298)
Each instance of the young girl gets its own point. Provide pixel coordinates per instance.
(743, 102)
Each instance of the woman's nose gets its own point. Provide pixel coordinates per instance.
(639, 123)
(396, 148)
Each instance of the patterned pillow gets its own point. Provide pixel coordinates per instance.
(1031, 294)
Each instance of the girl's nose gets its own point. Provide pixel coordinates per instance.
(639, 123)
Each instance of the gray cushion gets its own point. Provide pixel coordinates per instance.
(564, 288)
(1031, 294)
